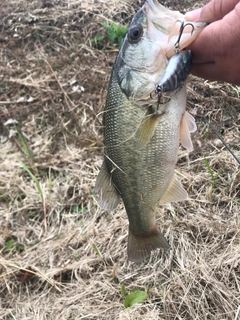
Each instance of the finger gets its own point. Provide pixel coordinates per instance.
(212, 72)
(207, 45)
(213, 11)
(218, 40)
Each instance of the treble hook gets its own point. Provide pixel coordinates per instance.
(177, 43)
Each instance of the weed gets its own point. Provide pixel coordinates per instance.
(34, 179)
(9, 245)
(95, 248)
(213, 175)
(115, 35)
(123, 290)
(237, 202)
(50, 185)
(97, 42)
(26, 149)
(76, 255)
(32, 214)
(76, 208)
(13, 246)
(134, 297)
(24, 144)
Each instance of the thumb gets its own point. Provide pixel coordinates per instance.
(213, 11)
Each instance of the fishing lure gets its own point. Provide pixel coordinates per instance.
(177, 70)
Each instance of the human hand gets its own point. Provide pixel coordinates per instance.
(216, 51)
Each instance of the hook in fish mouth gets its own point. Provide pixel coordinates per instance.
(160, 97)
(177, 43)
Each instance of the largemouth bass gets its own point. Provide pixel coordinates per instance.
(141, 133)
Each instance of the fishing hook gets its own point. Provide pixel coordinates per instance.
(177, 43)
(160, 95)
(159, 100)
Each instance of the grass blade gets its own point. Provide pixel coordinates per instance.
(34, 179)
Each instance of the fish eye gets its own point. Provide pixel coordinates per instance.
(135, 34)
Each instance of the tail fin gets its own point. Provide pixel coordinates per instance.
(140, 247)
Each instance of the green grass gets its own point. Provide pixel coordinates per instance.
(13, 246)
(134, 297)
(95, 248)
(114, 34)
(24, 144)
(214, 176)
(34, 179)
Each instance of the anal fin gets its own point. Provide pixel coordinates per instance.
(108, 197)
(174, 192)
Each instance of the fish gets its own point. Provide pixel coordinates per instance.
(141, 134)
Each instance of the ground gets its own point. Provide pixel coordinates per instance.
(61, 256)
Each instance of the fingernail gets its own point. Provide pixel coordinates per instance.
(193, 15)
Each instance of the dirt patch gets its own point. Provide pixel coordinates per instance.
(53, 88)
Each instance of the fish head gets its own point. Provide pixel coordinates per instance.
(148, 46)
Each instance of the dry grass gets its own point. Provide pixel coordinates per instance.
(53, 82)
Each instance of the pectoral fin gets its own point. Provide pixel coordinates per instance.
(187, 126)
(147, 129)
(108, 197)
(175, 192)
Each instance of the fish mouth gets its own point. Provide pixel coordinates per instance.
(164, 26)
(163, 18)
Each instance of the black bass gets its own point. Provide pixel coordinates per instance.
(141, 133)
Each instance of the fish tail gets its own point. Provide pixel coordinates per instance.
(140, 247)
